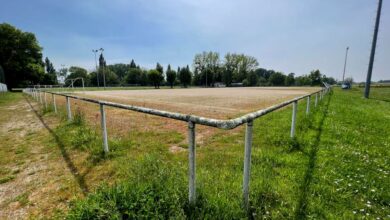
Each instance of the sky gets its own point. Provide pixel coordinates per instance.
(284, 35)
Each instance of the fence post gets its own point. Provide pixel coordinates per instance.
(104, 128)
(294, 116)
(192, 163)
(68, 108)
(54, 102)
(316, 101)
(247, 163)
(308, 106)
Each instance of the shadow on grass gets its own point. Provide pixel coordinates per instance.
(73, 169)
(305, 187)
(378, 99)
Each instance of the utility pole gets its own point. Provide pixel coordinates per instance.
(373, 47)
(345, 62)
(96, 66)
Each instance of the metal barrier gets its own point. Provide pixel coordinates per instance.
(3, 87)
(192, 120)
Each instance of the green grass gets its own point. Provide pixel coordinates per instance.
(337, 167)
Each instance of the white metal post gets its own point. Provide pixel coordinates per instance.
(308, 106)
(294, 116)
(104, 128)
(316, 101)
(247, 163)
(68, 108)
(54, 103)
(191, 163)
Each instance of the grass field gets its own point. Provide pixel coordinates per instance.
(337, 167)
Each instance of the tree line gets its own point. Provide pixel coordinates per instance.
(22, 64)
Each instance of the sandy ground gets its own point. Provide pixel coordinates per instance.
(220, 103)
(45, 178)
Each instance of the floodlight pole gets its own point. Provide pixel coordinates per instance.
(104, 77)
(373, 47)
(345, 62)
(97, 72)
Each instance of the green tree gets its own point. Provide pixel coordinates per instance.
(277, 79)
(303, 81)
(207, 64)
(252, 79)
(2, 79)
(132, 64)
(160, 68)
(120, 70)
(77, 72)
(155, 77)
(185, 76)
(239, 65)
(133, 76)
(315, 77)
(51, 76)
(20, 57)
(290, 80)
(171, 76)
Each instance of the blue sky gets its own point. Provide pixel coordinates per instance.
(288, 36)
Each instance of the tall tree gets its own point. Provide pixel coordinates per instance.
(2, 79)
(51, 77)
(119, 69)
(207, 64)
(160, 68)
(155, 77)
(132, 64)
(315, 77)
(171, 76)
(20, 57)
(290, 80)
(185, 76)
(239, 65)
(277, 79)
(77, 72)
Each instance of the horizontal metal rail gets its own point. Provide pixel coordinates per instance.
(192, 120)
(223, 124)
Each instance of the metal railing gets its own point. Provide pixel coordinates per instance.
(192, 120)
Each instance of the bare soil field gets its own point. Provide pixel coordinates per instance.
(219, 103)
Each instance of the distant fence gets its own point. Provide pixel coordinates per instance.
(3, 87)
(41, 96)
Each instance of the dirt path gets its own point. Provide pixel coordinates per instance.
(34, 179)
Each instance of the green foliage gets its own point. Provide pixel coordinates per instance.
(315, 77)
(290, 80)
(160, 68)
(77, 72)
(171, 76)
(185, 76)
(277, 79)
(252, 78)
(2, 76)
(20, 68)
(120, 70)
(156, 78)
(206, 65)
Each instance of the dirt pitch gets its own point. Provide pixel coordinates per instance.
(219, 103)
